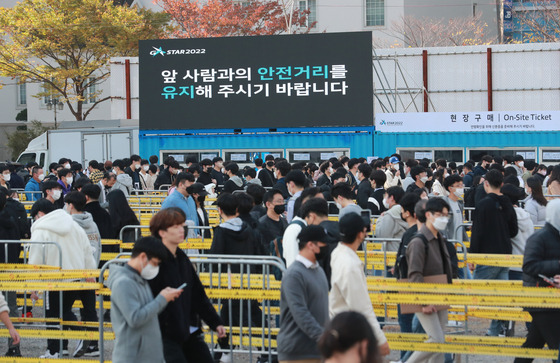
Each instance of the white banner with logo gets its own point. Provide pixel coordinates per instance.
(498, 121)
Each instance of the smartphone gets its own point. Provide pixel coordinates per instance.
(548, 280)
(182, 286)
(366, 216)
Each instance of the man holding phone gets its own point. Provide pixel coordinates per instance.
(134, 311)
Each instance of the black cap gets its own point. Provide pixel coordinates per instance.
(312, 233)
(197, 188)
(351, 224)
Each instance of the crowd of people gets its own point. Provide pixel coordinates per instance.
(281, 209)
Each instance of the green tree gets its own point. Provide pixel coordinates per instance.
(66, 45)
(18, 140)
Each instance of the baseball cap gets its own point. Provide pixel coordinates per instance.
(312, 233)
(394, 160)
(197, 188)
(351, 224)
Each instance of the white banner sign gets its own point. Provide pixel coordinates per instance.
(499, 121)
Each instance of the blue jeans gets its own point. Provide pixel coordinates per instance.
(492, 273)
(405, 322)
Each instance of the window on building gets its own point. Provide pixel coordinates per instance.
(89, 93)
(375, 12)
(21, 93)
(310, 5)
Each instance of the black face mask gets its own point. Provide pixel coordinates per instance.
(322, 253)
(279, 209)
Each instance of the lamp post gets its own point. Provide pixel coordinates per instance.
(53, 104)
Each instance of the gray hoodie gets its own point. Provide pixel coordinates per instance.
(134, 315)
(553, 213)
(85, 220)
(237, 180)
(124, 183)
(525, 230)
(391, 225)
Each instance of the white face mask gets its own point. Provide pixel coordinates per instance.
(542, 172)
(6, 177)
(149, 272)
(521, 164)
(56, 193)
(69, 180)
(41, 177)
(441, 223)
(424, 179)
(66, 166)
(146, 167)
(385, 203)
(459, 192)
(331, 170)
(65, 208)
(358, 175)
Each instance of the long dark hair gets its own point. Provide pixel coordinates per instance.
(554, 175)
(344, 331)
(536, 190)
(119, 210)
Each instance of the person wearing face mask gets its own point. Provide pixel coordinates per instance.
(65, 179)
(494, 225)
(364, 189)
(144, 175)
(273, 224)
(407, 168)
(295, 182)
(304, 299)
(420, 177)
(453, 184)
(519, 164)
(314, 211)
(134, 310)
(437, 186)
(390, 224)
(57, 225)
(167, 176)
(52, 191)
(392, 174)
(427, 256)
(324, 181)
(216, 172)
(377, 180)
(482, 168)
(348, 338)
(234, 182)
(266, 175)
(353, 165)
(183, 338)
(181, 198)
(535, 203)
(343, 196)
(124, 181)
(282, 169)
(134, 170)
(205, 176)
(34, 184)
(349, 289)
(5, 176)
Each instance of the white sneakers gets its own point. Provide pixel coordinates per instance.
(226, 358)
(49, 355)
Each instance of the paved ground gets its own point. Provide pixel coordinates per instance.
(36, 347)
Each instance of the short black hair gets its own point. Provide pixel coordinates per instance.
(269, 196)
(297, 177)
(94, 164)
(487, 158)
(194, 168)
(511, 179)
(379, 177)
(233, 167)
(42, 205)
(151, 246)
(77, 199)
(76, 167)
(250, 172)
(499, 167)
(437, 205)
(420, 210)
(409, 201)
(452, 165)
(93, 191)
(411, 163)
(352, 162)
(318, 206)
(257, 192)
(184, 176)
(337, 175)
(119, 164)
(396, 192)
(227, 203)
(283, 167)
(63, 173)
(530, 164)
(216, 159)
(468, 166)
(153, 168)
(53, 166)
(205, 162)
(48, 185)
(342, 189)
(518, 158)
(191, 159)
(258, 162)
(344, 160)
(416, 170)
(365, 169)
(244, 203)
(81, 182)
(498, 159)
(153, 159)
(450, 180)
(144, 162)
(508, 158)
(494, 178)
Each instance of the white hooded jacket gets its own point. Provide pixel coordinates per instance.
(58, 226)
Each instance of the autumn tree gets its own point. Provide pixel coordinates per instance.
(539, 23)
(221, 18)
(431, 32)
(66, 45)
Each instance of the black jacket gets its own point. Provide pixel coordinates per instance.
(324, 180)
(218, 176)
(281, 186)
(179, 315)
(542, 256)
(376, 208)
(135, 177)
(17, 211)
(164, 178)
(364, 191)
(101, 218)
(207, 233)
(494, 224)
(234, 242)
(204, 178)
(468, 179)
(9, 231)
(269, 230)
(266, 177)
(479, 170)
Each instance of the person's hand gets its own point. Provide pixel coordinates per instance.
(428, 309)
(471, 266)
(170, 294)
(14, 335)
(392, 270)
(384, 349)
(34, 296)
(398, 173)
(221, 331)
(90, 279)
(214, 182)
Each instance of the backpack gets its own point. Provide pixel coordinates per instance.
(401, 265)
